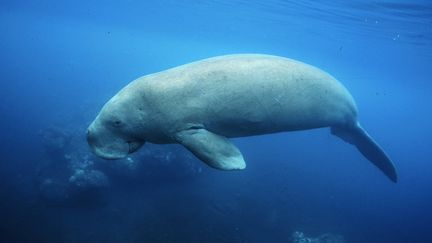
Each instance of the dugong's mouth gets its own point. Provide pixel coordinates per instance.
(116, 150)
(110, 147)
(109, 153)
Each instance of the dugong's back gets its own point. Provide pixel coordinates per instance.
(242, 95)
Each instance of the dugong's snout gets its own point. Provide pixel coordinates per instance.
(108, 146)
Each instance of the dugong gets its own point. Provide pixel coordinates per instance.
(202, 104)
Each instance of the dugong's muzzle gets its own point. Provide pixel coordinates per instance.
(108, 146)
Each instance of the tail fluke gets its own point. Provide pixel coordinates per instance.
(357, 136)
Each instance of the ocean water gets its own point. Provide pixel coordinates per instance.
(60, 61)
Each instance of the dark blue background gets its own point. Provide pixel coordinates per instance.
(60, 61)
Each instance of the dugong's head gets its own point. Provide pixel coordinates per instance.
(115, 132)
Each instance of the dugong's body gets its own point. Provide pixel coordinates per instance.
(201, 104)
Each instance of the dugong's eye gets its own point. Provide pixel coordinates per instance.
(117, 123)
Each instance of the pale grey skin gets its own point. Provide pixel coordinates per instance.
(201, 104)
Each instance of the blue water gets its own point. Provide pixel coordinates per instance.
(60, 61)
